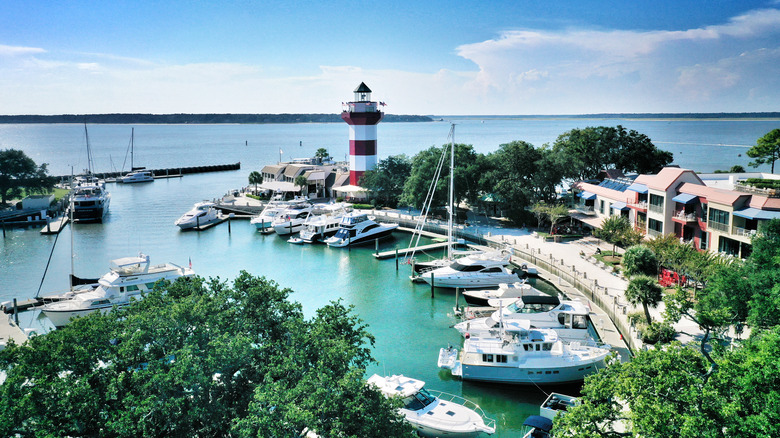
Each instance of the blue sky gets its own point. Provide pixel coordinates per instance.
(433, 57)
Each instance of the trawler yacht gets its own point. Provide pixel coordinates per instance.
(356, 228)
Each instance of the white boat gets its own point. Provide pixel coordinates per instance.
(319, 227)
(203, 213)
(90, 200)
(290, 221)
(504, 291)
(569, 318)
(432, 413)
(356, 228)
(128, 278)
(525, 356)
(136, 175)
(474, 271)
(274, 207)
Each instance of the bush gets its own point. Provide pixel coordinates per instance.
(658, 332)
(763, 183)
(635, 318)
(362, 206)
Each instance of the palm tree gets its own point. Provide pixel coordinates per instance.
(644, 290)
(255, 178)
(302, 182)
(322, 154)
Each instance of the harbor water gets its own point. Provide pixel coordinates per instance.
(409, 325)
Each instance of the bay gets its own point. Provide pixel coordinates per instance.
(409, 325)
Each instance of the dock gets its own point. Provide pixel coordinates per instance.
(55, 226)
(404, 251)
(9, 330)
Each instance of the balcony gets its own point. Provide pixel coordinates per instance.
(656, 208)
(712, 225)
(585, 209)
(654, 233)
(638, 206)
(682, 216)
(743, 232)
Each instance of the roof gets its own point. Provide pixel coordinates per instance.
(294, 170)
(665, 178)
(719, 196)
(764, 202)
(362, 88)
(273, 168)
(279, 186)
(637, 187)
(617, 193)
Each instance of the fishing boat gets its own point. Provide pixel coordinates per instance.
(128, 278)
(136, 175)
(433, 413)
(356, 228)
(520, 355)
(202, 214)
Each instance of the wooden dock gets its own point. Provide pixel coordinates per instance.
(56, 225)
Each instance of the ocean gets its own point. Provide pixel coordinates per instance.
(409, 325)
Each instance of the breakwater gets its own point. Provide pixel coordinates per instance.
(169, 172)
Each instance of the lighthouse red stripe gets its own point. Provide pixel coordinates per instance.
(362, 147)
(354, 176)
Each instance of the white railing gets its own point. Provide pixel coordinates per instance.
(656, 208)
(688, 217)
(641, 205)
(744, 232)
(590, 211)
(718, 226)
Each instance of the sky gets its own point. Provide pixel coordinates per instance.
(498, 57)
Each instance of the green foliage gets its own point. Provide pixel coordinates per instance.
(469, 170)
(302, 182)
(614, 230)
(658, 332)
(322, 154)
(762, 183)
(255, 178)
(552, 212)
(766, 150)
(18, 172)
(362, 206)
(512, 175)
(386, 180)
(644, 290)
(737, 169)
(198, 358)
(640, 260)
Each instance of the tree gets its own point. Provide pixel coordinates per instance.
(613, 230)
(556, 213)
(255, 178)
(640, 260)
(766, 150)
(424, 169)
(302, 182)
(322, 154)
(197, 358)
(17, 172)
(386, 180)
(511, 173)
(644, 290)
(539, 210)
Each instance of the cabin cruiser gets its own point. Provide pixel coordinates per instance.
(356, 228)
(525, 356)
(319, 227)
(275, 207)
(290, 221)
(433, 413)
(203, 213)
(568, 317)
(504, 291)
(128, 278)
(90, 200)
(427, 265)
(137, 176)
(474, 271)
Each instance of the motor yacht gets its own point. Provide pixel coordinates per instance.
(203, 213)
(474, 271)
(504, 291)
(525, 356)
(319, 227)
(356, 228)
(90, 200)
(275, 206)
(128, 278)
(290, 221)
(432, 413)
(137, 176)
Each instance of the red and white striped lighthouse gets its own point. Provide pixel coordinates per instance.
(362, 115)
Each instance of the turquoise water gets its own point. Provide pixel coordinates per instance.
(409, 325)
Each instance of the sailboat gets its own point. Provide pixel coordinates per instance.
(136, 175)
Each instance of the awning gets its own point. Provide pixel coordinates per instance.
(280, 186)
(637, 187)
(588, 196)
(619, 206)
(349, 189)
(593, 221)
(755, 213)
(685, 198)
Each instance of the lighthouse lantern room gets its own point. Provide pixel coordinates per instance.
(362, 115)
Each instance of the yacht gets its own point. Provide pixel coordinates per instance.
(356, 228)
(90, 200)
(319, 227)
(504, 291)
(474, 271)
(203, 213)
(433, 413)
(274, 207)
(128, 278)
(569, 318)
(137, 176)
(290, 221)
(520, 355)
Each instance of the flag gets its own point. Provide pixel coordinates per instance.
(190, 262)
(280, 151)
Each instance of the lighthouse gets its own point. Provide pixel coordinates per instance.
(362, 115)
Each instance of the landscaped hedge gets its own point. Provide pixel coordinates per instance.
(763, 183)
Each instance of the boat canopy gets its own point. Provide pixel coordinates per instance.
(129, 261)
(539, 422)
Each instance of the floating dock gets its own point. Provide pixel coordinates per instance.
(55, 226)
(404, 251)
(9, 330)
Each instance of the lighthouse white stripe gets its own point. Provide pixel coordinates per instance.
(362, 162)
(362, 132)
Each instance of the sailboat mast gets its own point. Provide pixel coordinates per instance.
(452, 191)
(132, 134)
(89, 150)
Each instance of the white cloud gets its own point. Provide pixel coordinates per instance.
(19, 51)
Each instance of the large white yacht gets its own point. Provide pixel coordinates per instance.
(504, 291)
(319, 227)
(356, 228)
(203, 213)
(521, 355)
(137, 176)
(290, 221)
(129, 277)
(433, 413)
(474, 271)
(275, 206)
(90, 199)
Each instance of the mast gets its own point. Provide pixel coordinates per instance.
(70, 212)
(452, 191)
(89, 151)
(132, 134)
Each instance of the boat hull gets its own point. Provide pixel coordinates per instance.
(469, 282)
(530, 374)
(341, 243)
(61, 318)
(90, 214)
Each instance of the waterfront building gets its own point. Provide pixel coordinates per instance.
(718, 212)
(362, 115)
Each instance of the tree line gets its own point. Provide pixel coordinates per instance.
(197, 118)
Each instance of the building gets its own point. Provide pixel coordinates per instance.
(680, 202)
(362, 115)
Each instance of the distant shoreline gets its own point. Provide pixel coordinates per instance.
(627, 116)
(200, 119)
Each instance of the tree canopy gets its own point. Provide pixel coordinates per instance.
(766, 150)
(18, 171)
(386, 181)
(199, 358)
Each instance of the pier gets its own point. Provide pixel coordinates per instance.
(173, 172)
(56, 225)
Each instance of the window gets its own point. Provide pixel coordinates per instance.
(501, 358)
(487, 358)
(657, 200)
(132, 288)
(655, 225)
(719, 216)
(704, 212)
(703, 241)
(601, 206)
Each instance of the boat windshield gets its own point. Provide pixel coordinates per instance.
(419, 400)
(465, 268)
(520, 307)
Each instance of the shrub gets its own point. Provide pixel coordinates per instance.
(658, 332)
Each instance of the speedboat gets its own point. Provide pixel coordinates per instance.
(569, 318)
(203, 213)
(356, 228)
(90, 199)
(290, 221)
(474, 271)
(128, 278)
(524, 356)
(137, 176)
(319, 227)
(432, 413)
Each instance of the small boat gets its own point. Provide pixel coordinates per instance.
(203, 213)
(432, 413)
(520, 355)
(356, 228)
(128, 278)
(539, 427)
(474, 271)
(295, 240)
(514, 290)
(137, 176)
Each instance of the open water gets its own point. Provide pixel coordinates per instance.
(409, 326)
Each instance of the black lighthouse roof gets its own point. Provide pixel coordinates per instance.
(362, 88)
